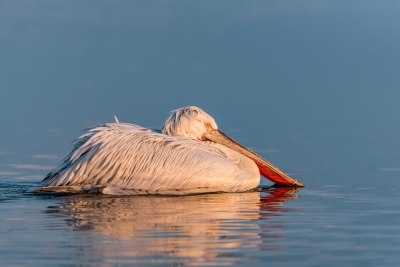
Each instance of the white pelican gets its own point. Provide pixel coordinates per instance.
(189, 155)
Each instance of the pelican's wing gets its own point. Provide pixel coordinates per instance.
(128, 156)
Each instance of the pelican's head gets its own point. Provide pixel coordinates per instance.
(193, 122)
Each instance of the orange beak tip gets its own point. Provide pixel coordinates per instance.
(279, 180)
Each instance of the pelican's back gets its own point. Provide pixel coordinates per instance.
(128, 156)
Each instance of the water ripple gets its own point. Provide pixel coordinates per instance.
(335, 226)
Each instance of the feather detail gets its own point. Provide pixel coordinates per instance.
(131, 157)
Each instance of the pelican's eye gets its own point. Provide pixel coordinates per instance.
(208, 126)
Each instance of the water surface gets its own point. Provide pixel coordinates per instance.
(311, 86)
(336, 225)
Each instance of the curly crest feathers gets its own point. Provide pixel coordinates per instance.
(189, 122)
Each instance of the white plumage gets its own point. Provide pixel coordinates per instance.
(122, 158)
(127, 156)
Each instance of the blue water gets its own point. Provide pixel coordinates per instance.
(334, 225)
(311, 86)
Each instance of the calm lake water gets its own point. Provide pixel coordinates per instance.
(312, 86)
(332, 225)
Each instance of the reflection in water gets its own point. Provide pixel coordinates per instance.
(190, 230)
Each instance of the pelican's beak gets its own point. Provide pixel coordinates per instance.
(267, 170)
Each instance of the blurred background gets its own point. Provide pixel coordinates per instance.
(313, 86)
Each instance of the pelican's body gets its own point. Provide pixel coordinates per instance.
(121, 157)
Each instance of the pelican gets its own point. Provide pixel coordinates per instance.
(189, 155)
